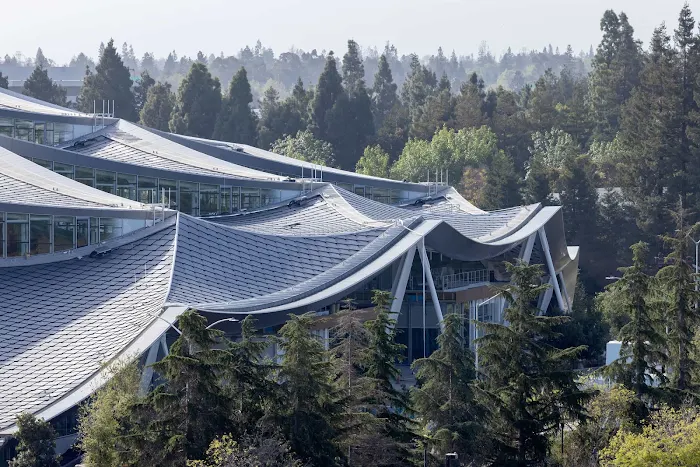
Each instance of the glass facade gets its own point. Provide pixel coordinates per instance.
(47, 133)
(25, 234)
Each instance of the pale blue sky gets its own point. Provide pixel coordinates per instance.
(65, 28)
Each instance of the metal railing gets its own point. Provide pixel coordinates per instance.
(452, 281)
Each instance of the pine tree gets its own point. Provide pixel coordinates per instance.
(300, 100)
(198, 103)
(538, 183)
(158, 107)
(616, 67)
(680, 284)
(640, 357)
(328, 90)
(40, 60)
(236, 121)
(190, 408)
(470, 103)
(40, 86)
(444, 396)
(527, 386)
(650, 167)
(280, 119)
(420, 83)
(392, 405)
(384, 96)
(37, 443)
(306, 413)
(111, 81)
(4, 82)
(141, 90)
(353, 69)
(502, 188)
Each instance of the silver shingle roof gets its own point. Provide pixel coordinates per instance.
(12, 100)
(59, 321)
(129, 143)
(24, 183)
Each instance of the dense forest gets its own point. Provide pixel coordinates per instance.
(612, 135)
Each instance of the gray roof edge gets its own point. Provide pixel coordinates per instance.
(43, 117)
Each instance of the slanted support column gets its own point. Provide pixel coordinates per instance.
(431, 284)
(526, 252)
(147, 374)
(546, 298)
(552, 271)
(398, 290)
(569, 302)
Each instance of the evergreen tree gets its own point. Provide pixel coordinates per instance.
(616, 67)
(651, 166)
(384, 96)
(437, 112)
(680, 285)
(328, 90)
(353, 69)
(300, 101)
(4, 82)
(111, 81)
(141, 90)
(236, 121)
(470, 103)
(640, 357)
(190, 408)
(420, 83)
(279, 119)
(538, 183)
(444, 396)
(40, 60)
(502, 188)
(528, 387)
(37, 443)
(198, 103)
(306, 413)
(158, 107)
(40, 86)
(392, 405)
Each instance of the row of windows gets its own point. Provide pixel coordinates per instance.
(383, 195)
(196, 199)
(33, 234)
(48, 133)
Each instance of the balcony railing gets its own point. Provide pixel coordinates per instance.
(452, 281)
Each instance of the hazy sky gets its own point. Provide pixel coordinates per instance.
(65, 28)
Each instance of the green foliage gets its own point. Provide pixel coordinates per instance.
(670, 438)
(111, 81)
(640, 355)
(528, 388)
(103, 419)
(305, 147)
(236, 121)
(40, 86)
(141, 90)
(502, 187)
(280, 119)
(258, 451)
(444, 396)
(374, 162)
(328, 90)
(4, 82)
(158, 107)
(306, 412)
(198, 103)
(37, 443)
(384, 96)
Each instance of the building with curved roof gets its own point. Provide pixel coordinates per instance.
(108, 236)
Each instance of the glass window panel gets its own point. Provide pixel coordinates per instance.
(40, 234)
(104, 180)
(63, 233)
(209, 199)
(39, 134)
(126, 186)
(110, 228)
(268, 196)
(381, 195)
(2, 233)
(62, 132)
(24, 130)
(148, 190)
(225, 207)
(7, 127)
(360, 190)
(235, 199)
(189, 198)
(85, 175)
(395, 196)
(82, 235)
(168, 188)
(250, 198)
(345, 186)
(64, 169)
(17, 234)
(44, 163)
(94, 230)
